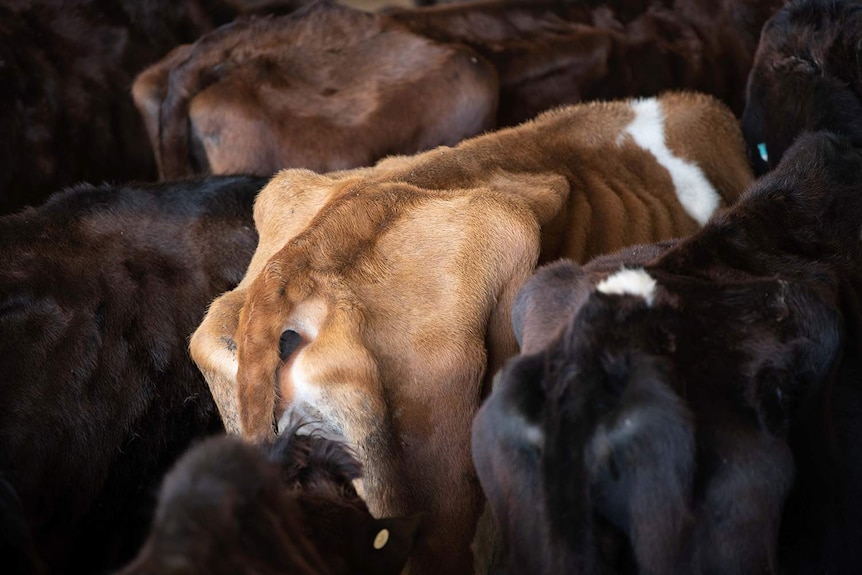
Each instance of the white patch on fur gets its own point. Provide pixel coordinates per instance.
(605, 439)
(693, 189)
(222, 360)
(636, 282)
(306, 327)
(533, 435)
(303, 389)
(305, 399)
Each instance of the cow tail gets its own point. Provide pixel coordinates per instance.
(257, 337)
(207, 62)
(172, 152)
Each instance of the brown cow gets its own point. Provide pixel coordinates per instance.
(240, 101)
(549, 53)
(325, 88)
(378, 299)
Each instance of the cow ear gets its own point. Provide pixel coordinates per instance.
(640, 460)
(149, 91)
(547, 302)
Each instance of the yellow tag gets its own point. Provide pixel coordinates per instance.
(381, 539)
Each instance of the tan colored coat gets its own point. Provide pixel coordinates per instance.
(400, 280)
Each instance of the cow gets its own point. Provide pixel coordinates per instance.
(289, 93)
(807, 75)
(17, 551)
(549, 53)
(378, 298)
(65, 73)
(287, 507)
(100, 289)
(693, 406)
(325, 88)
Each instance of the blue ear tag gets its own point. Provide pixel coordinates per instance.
(761, 148)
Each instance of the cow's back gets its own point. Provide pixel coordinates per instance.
(101, 289)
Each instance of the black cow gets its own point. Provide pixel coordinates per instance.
(17, 552)
(228, 508)
(807, 75)
(66, 70)
(100, 288)
(700, 410)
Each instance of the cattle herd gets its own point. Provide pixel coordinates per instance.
(481, 287)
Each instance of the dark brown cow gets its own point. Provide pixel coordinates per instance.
(354, 86)
(378, 298)
(65, 73)
(549, 53)
(807, 75)
(17, 551)
(697, 407)
(324, 88)
(100, 289)
(230, 508)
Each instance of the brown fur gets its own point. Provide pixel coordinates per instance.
(325, 88)
(400, 278)
(548, 53)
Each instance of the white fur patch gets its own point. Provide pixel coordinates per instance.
(533, 434)
(636, 282)
(222, 360)
(693, 189)
(518, 426)
(306, 397)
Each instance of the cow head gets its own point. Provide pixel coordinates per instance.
(807, 75)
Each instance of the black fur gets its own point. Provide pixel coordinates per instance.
(715, 430)
(17, 552)
(66, 69)
(807, 76)
(100, 289)
(227, 507)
